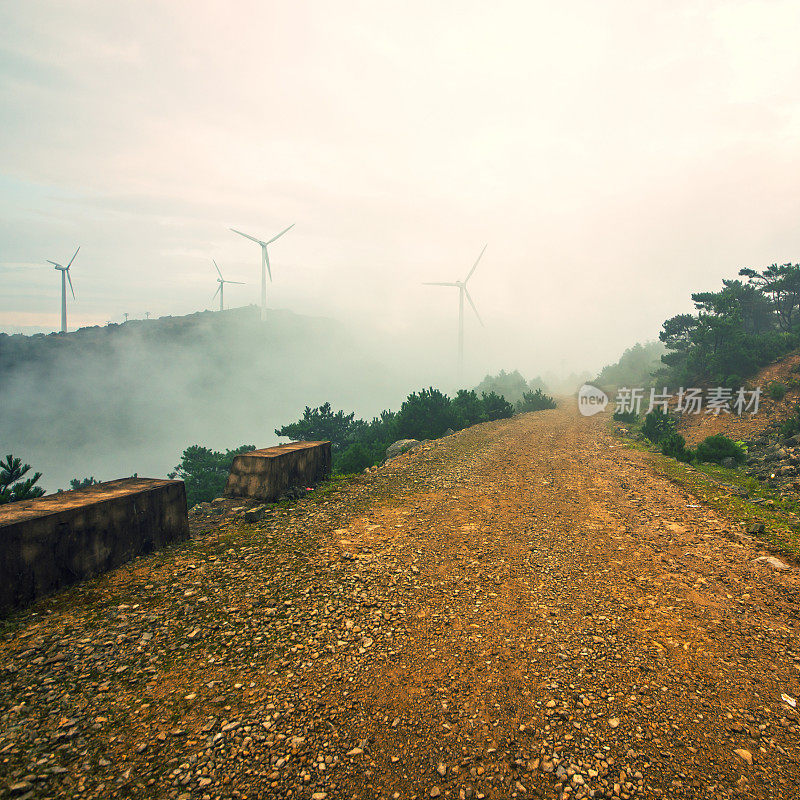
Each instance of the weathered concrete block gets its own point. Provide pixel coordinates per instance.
(54, 541)
(266, 474)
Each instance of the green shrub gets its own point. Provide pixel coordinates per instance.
(715, 448)
(777, 391)
(355, 458)
(535, 401)
(496, 406)
(629, 417)
(658, 425)
(468, 409)
(12, 487)
(426, 415)
(321, 424)
(82, 483)
(674, 445)
(205, 471)
(791, 426)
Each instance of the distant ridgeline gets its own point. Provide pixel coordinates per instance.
(123, 399)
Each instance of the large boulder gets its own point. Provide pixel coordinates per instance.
(401, 446)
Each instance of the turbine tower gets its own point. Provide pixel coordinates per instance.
(221, 288)
(264, 264)
(462, 293)
(64, 278)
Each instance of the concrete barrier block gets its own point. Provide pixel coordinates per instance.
(266, 474)
(59, 539)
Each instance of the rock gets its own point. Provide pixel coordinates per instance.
(401, 446)
(435, 792)
(771, 561)
(19, 788)
(254, 514)
(756, 529)
(217, 501)
(448, 432)
(613, 722)
(728, 462)
(745, 755)
(442, 770)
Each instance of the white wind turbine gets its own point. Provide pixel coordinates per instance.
(462, 292)
(264, 264)
(64, 278)
(221, 288)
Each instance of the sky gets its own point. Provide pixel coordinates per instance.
(614, 156)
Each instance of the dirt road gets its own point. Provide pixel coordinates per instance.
(524, 609)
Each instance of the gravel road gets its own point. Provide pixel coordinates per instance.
(523, 609)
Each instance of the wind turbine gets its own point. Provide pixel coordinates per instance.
(463, 292)
(221, 288)
(264, 264)
(64, 278)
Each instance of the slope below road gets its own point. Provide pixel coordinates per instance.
(526, 608)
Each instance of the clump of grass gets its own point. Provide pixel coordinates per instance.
(776, 390)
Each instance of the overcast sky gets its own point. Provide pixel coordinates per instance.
(616, 156)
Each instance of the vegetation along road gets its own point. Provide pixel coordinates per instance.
(527, 608)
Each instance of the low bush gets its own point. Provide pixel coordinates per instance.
(658, 425)
(791, 426)
(82, 483)
(496, 406)
(468, 409)
(674, 446)
(535, 401)
(424, 415)
(205, 471)
(776, 390)
(628, 417)
(716, 448)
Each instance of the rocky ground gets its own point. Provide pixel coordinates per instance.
(524, 609)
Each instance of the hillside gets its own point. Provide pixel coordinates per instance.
(123, 399)
(696, 427)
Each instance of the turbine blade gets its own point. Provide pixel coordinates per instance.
(217, 268)
(281, 233)
(428, 283)
(473, 307)
(70, 281)
(73, 258)
(217, 292)
(55, 263)
(476, 263)
(239, 282)
(266, 261)
(247, 236)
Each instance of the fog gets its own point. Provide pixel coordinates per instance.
(614, 156)
(112, 401)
